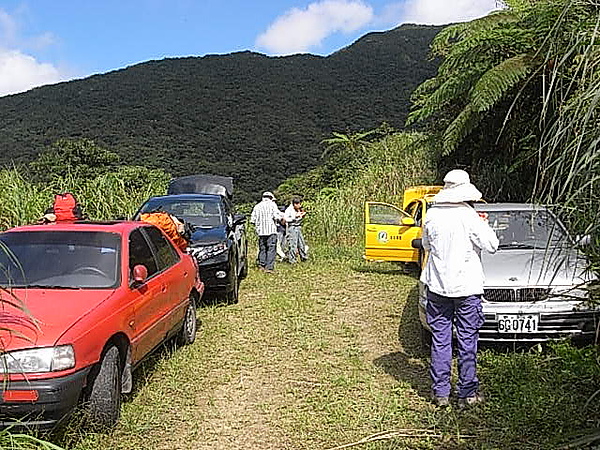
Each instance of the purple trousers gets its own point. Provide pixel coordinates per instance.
(467, 316)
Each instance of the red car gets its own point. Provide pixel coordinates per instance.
(85, 303)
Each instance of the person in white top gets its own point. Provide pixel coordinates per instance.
(264, 217)
(454, 235)
(293, 217)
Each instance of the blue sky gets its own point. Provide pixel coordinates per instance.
(46, 41)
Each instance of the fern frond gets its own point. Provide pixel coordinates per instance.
(424, 89)
(499, 80)
(446, 38)
(487, 48)
(449, 92)
(460, 128)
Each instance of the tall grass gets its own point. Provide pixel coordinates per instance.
(568, 172)
(385, 169)
(20, 441)
(109, 196)
(20, 201)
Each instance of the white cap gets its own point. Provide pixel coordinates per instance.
(268, 194)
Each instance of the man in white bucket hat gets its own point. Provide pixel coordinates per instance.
(454, 235)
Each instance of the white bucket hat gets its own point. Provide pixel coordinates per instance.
(457, 189)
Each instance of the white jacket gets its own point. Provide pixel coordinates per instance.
(454, 235)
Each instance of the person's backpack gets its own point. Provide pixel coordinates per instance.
(170, 226)
(66, 208)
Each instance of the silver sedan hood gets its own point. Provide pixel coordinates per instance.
(535, 267)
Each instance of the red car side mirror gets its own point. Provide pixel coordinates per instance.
(140, 273)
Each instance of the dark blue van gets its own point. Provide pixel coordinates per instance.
(218, 235)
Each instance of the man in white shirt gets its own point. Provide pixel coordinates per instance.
(293, 218)
(454, 235)
(264, 217)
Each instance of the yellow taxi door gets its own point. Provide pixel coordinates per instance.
(389, 232)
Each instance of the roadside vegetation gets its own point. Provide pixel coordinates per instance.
(328, 354)
(105, 188)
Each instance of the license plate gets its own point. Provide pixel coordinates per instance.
(518, 323)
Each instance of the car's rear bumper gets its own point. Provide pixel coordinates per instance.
(57, 398)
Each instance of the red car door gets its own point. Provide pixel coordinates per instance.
(148, 329)
(175, 276)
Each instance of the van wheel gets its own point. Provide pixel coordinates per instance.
(187, 334)
(244, 271)
(104, 401)
(233, 296)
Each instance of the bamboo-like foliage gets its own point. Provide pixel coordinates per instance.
(109, 196)
(568, 174)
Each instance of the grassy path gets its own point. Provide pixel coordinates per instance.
(313, 357)
(309, 358)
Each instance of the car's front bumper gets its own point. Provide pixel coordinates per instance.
(217, 277)
(580, 325)
(557, 320)
(215, 273)
(57, 398)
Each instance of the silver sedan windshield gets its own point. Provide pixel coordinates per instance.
(527, 229)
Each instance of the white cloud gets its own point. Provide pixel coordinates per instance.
(299, 30)
(8, 29)
(20, 71)
(440, 12)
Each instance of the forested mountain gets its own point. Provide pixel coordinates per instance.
(244, 114)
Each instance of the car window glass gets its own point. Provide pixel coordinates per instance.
(385, 214)
(140, 253)
(415, 209)
(60, 259)
(535, 229)
(167, 255)
(198, 212)
(418, 214)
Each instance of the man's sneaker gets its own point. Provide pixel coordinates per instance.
(441, 402)
(470, 401)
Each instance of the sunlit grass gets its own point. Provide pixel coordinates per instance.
(328, 352)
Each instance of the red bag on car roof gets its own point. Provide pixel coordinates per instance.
(66, 208)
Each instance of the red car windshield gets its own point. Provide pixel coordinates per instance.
(60, 259)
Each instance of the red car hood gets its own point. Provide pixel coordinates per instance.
(38, 317)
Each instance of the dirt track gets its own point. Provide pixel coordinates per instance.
(313, 357)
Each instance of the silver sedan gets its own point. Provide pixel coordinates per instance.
(535, 284)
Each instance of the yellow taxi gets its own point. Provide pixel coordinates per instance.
(390, 230)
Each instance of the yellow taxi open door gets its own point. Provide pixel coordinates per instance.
(389, 232)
